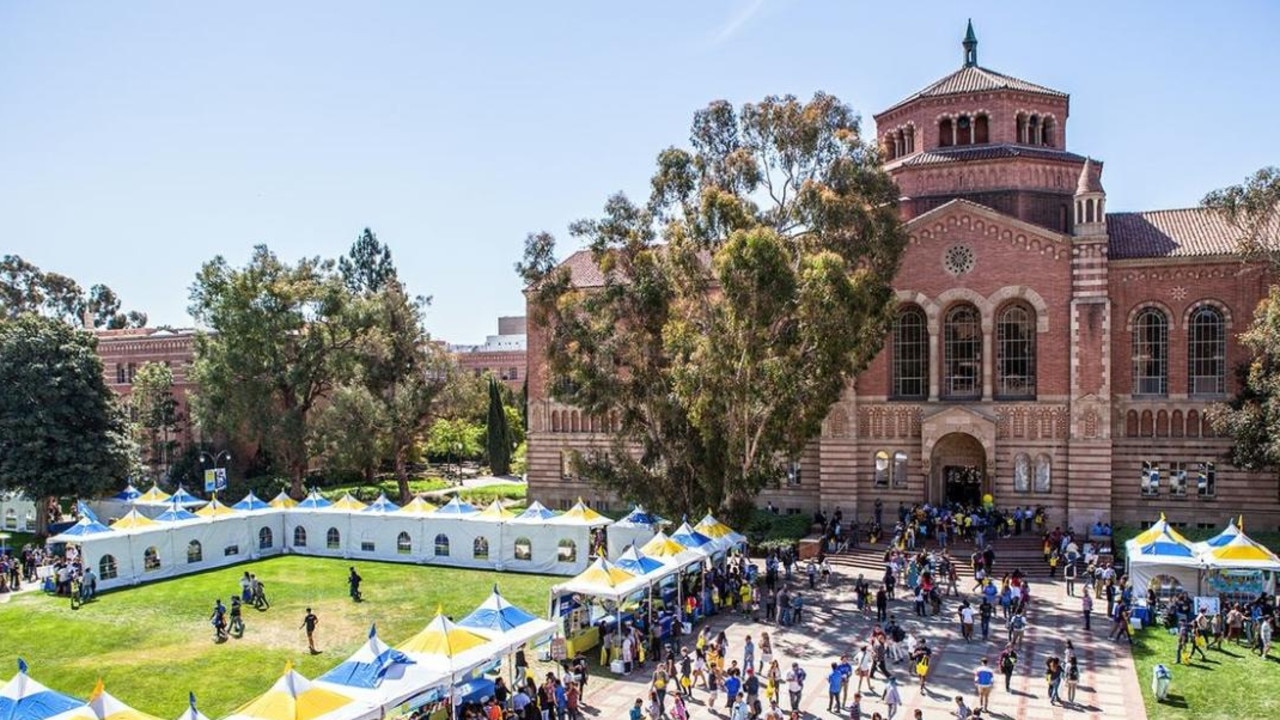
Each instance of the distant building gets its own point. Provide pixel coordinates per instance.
(123, 352)
(504, 355)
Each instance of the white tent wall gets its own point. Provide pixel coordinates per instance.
(317, 525)
(17, 513)
(386, 536)
(114, 548)
(539, 545)
(266, 533)
(621, 535)
(1142, 573)
(462, 536)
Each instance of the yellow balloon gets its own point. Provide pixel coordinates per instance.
(987, 499)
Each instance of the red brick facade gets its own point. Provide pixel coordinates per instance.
(123, 352)
(1047, 353)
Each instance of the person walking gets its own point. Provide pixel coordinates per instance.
(892, 699)
(795, 685)
(863, 667)
(985, 611)
(1053, 676)
(309, 623)
(921, 658)
(1086, 607)
(748, 654)
(1073, 679)
(966, 621)
(1008, 661)
(353, 584)
(984, 679)
(882, 604)
(1017, 628)
(835, 683)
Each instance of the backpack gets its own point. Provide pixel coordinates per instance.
(899, 634)
(1007, 662)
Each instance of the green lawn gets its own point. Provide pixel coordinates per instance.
(1234, 683)
(152, 644)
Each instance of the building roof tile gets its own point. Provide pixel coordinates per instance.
(583, 270)
(973, 78)
(1187, 232)
(970, 153)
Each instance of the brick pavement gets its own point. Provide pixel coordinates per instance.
(1108, 685)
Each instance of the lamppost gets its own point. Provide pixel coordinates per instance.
(215, 459)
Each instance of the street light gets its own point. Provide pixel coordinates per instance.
(215, 459)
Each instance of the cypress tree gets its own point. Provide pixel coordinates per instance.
(498, 435)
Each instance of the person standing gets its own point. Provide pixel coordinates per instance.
(795, 685)
(984, 679)
(985, 611)
(846, 671)
(962, 711)
(882, 604)
(1053, 676)
(1017, 628)
(309, 623)
(1073, 678)
(966, 621)
(835, 682)
(748, 654)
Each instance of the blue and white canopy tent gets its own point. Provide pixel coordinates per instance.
(252, 503)
(536, 512)
(695, 541)
(184, 499)
(83, 528)
(1164, 560)
(176, 513)
(635, 528)
(314, 501)
(634, 561)
(506, 624)
(381, 674)
(25, 699)
(381, 505)
(129, 494)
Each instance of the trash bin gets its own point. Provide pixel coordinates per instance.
(1160, 680)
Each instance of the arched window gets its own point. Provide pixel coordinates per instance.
(480, 549)
(150, 559)
(195, 553)
(1022, 473)
(107, 568)
(1033, 130)
(442, 545)
(946, 133)
(1043, 479)
(899, 469)
(1206, 352)
(1020, 122)
(964, 130)
(265, 539)
(1047, 132)
(523, 549)
(911, 139)
(962, 353)
(567, 551)
(1150, 353)
(981, 130)
(1016, 353)
(882, 469)
(404, 544)
(910, 355)
(299, 536)
(333, 539)
(10, 519)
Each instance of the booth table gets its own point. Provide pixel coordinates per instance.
(583, 641)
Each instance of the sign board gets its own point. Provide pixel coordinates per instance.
(559, 649)
(1209, 604)
(215, 479)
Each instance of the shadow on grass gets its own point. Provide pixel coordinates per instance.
(1174, 700)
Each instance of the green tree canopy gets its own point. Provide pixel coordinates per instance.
(61, 431)
(735, 305)
(1252, 418)
(155, 418)
(280, 342)
(497, 442)
(25, 288)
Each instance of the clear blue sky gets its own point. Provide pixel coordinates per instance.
(139, 139)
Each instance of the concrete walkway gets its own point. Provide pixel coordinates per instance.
(1108, 685)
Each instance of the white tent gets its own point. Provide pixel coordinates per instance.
(382, 675)
(1163, 560)
(635, 528)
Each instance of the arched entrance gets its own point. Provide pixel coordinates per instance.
(959, 470)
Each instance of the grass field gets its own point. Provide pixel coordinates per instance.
(152, 644)
(1234, 683)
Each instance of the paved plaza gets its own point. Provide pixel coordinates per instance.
(1108, 687)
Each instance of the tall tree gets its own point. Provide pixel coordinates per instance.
(25, 288)
(497, 435)
(367, 268)
(1252, 418)
(155, 415)
(735, 306)
(61, 431)
(280, 343)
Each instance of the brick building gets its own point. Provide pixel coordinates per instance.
(1045, 351)
(123, 352)
(505, 355)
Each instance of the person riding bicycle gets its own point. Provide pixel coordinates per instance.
(237, 622)
(219, 620)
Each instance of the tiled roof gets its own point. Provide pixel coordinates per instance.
(583, 271)
(1189, 232)
(969, 153)
(977, 79)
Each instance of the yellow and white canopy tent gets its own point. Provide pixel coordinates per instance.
(716, 530)
(293, 697)
(215, 509)
(1158, 528)
(494, 512)
(283, 501)
(347, 503)
(133, 520)
(154, 496)
(106, 706)
(445, 646)
(192, 712)
(417, 507)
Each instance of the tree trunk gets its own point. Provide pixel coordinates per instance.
(402, 478)
(42, 516)
(295, 483)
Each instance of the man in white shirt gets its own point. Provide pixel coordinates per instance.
(795, 685)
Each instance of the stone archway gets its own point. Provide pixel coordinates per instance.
(959, 471)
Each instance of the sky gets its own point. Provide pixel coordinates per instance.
(140, 139)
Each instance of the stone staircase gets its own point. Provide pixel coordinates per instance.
(1022, 552)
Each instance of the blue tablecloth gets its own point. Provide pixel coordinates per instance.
(1142, 613)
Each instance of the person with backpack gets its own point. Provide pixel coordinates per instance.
(1017, 628)
(1008, 661)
